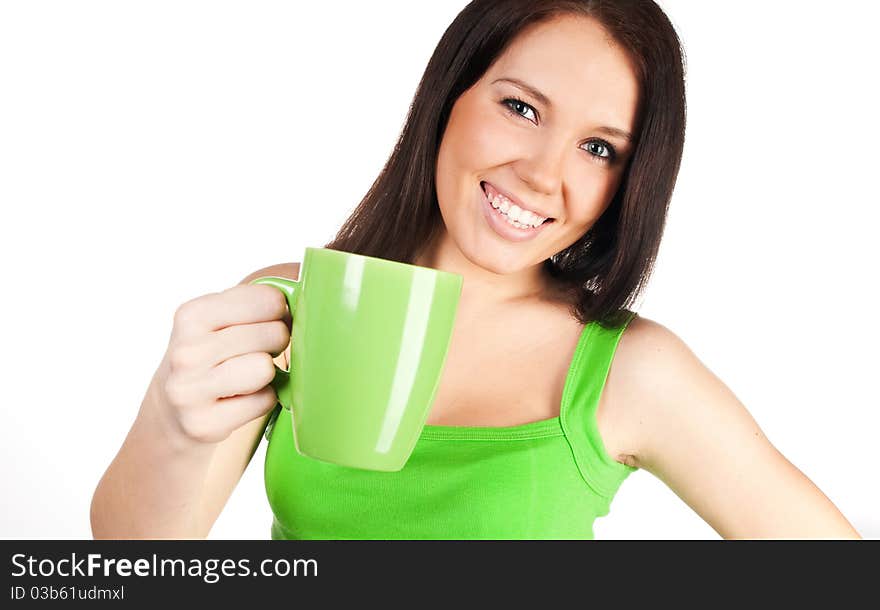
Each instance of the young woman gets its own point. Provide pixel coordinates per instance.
(537, 161)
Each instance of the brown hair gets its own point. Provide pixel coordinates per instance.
(607, 268)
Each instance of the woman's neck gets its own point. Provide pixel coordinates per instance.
(483, 288)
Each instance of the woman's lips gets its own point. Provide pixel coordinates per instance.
(492, 190)
(503, 228)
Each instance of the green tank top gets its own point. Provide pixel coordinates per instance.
(547, 479)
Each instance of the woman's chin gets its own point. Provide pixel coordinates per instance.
(497, 263)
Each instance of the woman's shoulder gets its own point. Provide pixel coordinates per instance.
(285, 270)
(646, 344)
(654, 373)
(629, 392)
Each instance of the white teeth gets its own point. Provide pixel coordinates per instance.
(515, 215)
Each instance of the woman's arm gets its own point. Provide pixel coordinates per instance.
(153, 487)
(701, 441)
(158, 488)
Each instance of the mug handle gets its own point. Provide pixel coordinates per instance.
(281, 381)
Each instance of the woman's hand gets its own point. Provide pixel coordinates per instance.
(218, 366)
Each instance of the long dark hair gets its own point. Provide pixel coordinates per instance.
(606, 269)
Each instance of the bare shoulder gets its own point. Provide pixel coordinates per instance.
(651, 364)
(285, 270)
(642, 331)
(684, 425)
(663, 389)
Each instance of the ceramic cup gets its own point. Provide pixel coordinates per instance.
(369, 339)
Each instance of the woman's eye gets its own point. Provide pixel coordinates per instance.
(593, 145)
(517, 106)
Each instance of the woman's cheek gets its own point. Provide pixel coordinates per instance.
(594, 192)
(485, 141)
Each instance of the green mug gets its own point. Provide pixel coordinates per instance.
(369, 339)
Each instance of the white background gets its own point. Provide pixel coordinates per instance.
(152, 152)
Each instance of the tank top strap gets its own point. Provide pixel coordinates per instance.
(580, 400)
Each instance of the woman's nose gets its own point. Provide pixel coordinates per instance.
(542, 169)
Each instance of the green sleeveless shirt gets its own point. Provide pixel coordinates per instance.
(547, 479)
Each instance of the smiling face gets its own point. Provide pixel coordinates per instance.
(548, 149)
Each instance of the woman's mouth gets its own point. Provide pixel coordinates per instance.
(509, 220)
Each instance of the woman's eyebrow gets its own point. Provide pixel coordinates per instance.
(613, 131)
